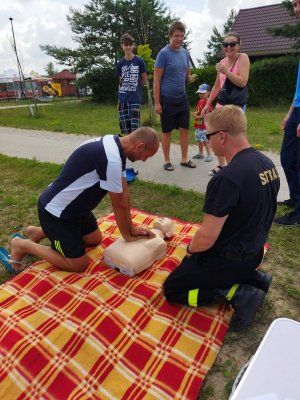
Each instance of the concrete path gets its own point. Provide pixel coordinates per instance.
(25, 105)
(55, 147)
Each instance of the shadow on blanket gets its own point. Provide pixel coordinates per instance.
(103, 335)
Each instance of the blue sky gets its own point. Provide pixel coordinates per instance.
(38, 22)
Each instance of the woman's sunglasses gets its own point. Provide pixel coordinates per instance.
(231, 44)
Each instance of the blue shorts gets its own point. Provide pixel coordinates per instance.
(200, 135)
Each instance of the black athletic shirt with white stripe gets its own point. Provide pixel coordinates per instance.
(93, 169)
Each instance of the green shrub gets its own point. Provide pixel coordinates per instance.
(204, 75)
(272, 81)
(104, 83)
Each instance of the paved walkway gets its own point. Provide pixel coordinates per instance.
(55, 147)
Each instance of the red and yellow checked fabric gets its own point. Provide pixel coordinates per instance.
(103, 335)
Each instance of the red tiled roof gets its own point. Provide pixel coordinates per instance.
(251, 25)
(64, 74)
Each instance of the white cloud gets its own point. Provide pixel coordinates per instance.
(35, 22)
(201, 20)
(38, 22)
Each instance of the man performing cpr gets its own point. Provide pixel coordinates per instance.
(239, 208)
(95, 168)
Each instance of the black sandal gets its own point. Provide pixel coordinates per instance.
(215, 170)
(188, 164)
(168, 167)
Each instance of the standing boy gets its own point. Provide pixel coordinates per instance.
(171, 73)
(200, 128)
(131, 71)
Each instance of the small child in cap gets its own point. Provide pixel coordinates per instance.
(200, 128)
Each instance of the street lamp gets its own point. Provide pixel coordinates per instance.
(21, 75)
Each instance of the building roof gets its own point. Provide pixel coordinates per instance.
(252, 23)
(64, 74)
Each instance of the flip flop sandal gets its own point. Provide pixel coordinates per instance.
(17, 235)
(188, 164)
(215, 170)
(168, 167)
(6, 261)
(198, 157)
(130, 174)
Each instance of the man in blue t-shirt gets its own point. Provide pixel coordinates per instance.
(131, 71)
(95, 168)
(290, 152)
(239, 208)
(171, 73)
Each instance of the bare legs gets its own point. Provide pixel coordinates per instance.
(184, 144)
(20, 247)
(221, 164)
(166, 144)
(35, 233)
(221, 161)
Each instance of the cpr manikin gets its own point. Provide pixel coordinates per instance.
(130, 258)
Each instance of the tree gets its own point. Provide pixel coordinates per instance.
(286, 30)
(50, 69)
(145, 53)
(212, 56)
(100, 25)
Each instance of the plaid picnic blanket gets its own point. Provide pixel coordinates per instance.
(103, 335)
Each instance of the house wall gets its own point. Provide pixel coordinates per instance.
(68, 87)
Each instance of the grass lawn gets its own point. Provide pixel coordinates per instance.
(90, 118)
(21, 182)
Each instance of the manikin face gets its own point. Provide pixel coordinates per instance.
(296, 6)
(176, 40)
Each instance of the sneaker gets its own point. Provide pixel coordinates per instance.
(246, 303)
(290, 219)
(260, 280)
(198, 157)
(208, 158)
(288, 203)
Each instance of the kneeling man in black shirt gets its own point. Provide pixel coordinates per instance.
(240, 204)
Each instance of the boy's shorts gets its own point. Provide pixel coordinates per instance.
(66, 236)
(200, 135)
(129, 117)
(174, 114)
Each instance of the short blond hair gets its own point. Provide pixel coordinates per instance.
(147, 135)
(228, 118)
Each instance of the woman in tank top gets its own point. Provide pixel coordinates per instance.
(235, 66)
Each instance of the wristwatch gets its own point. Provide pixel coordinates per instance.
(188, 250)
